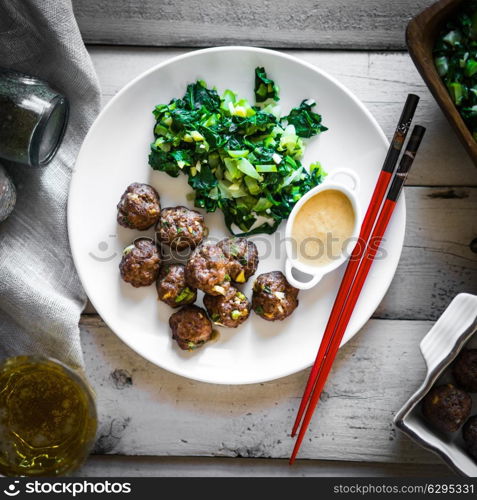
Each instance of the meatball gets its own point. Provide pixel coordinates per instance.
(273, 297)
(140, 263)
(181, 228)
(190, 327)
(229, 310)
(243, 256)
(469, 433)
(139, 207)
(172, 287)
(446, 407)
(207, 269)
(465, 370)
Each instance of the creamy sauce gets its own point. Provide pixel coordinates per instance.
(322, 227)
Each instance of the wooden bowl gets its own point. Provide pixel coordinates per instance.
(421, 35)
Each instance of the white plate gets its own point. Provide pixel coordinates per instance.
(115, 153)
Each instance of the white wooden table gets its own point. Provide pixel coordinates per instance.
(155, 423)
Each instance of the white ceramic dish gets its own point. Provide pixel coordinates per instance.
(115, 153)
(454, 329)
(314, 274)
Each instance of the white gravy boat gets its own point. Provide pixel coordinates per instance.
(316, 273)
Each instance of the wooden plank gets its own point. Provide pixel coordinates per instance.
(123, 466)
(145, 410)
(381, 81)
(311, 24)
(438, 259)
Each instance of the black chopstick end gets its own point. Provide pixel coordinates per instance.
(406, 162)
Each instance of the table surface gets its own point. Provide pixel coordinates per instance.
(155, 423)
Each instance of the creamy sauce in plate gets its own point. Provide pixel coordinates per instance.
(322, 227)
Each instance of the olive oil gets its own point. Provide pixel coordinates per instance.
(47, 418)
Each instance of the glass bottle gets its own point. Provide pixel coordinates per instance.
(48, 417)
(7, 194)
(33, 119)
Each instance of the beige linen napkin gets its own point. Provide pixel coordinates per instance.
(41, 298)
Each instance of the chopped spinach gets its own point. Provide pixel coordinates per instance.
(264, 87)
(240, 158)
(307, 123)
(455, 58)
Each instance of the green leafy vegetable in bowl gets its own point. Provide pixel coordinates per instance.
(455, 57)
(241, 158)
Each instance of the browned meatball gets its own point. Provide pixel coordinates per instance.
(140, 263)
(274, 298)
(172, 287)
(465, 370)
(469, 433)
(207, 269)
(446, 407)
(190, 327)
(181, 228)
(229, 310)
(139, 207)
(243, 256)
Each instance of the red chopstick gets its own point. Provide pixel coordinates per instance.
(366, 228)
(361, 275)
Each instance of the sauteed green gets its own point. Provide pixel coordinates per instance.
(456, 61)
(239, 157)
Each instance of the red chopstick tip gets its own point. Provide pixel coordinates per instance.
(297, 447)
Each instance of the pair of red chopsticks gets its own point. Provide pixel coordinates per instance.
(360, 261)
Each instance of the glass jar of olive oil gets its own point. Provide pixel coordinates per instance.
(48, 417)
